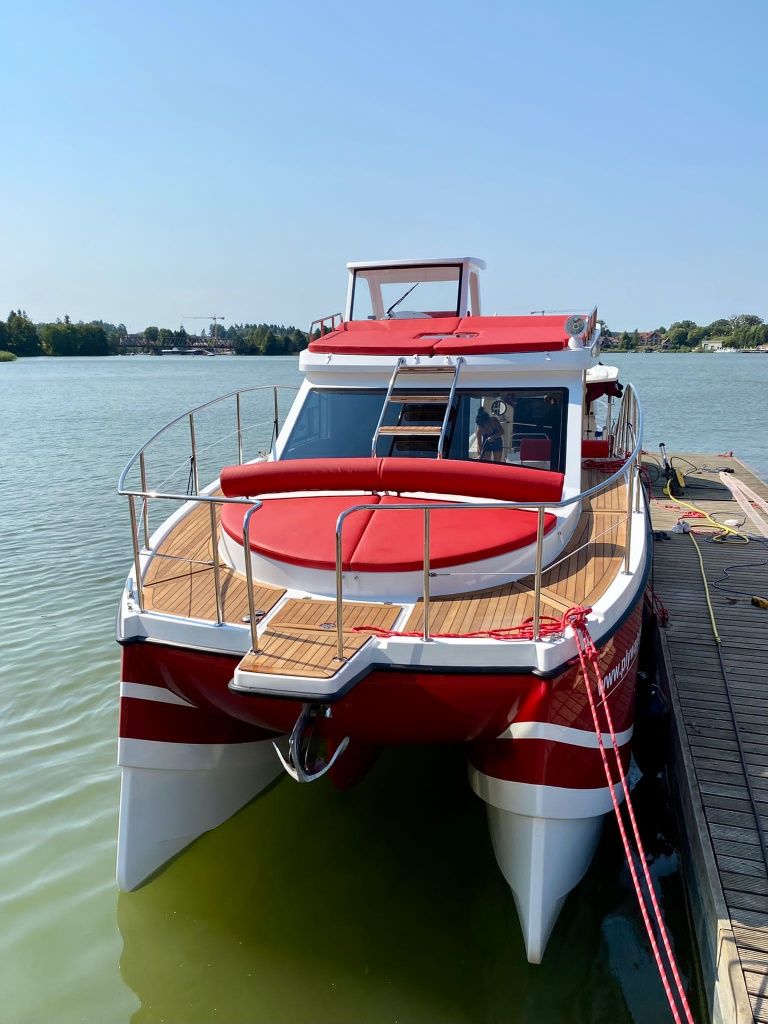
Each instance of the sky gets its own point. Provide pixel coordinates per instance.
(169, 159)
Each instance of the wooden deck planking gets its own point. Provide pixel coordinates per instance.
(590, 564)
(301, 640)
(728, 820)
(176, 583)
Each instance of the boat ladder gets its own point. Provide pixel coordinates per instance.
(398, 395)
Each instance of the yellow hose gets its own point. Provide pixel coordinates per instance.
(725, 531)
(706, 591)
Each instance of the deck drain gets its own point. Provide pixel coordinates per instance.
(327, 625)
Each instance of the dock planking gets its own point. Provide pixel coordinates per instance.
(720, 729)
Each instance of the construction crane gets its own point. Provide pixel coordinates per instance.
(212, 319)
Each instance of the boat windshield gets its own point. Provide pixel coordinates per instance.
(515, 426)
(384, 293)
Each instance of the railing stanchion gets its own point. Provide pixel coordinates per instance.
(537, 580)
(630, 483)
(339, 596)
(136, 556)
(249, 577)
(426, 635)
(277, 412)
(608, 418)
(216, 570)
(145, 509)
(239, 431)
(195, 479)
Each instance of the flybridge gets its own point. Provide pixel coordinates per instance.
(432, 307)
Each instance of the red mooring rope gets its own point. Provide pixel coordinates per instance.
(576, 618)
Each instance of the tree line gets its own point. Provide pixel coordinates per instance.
(243, 339)
(22, 337)
(743, 331)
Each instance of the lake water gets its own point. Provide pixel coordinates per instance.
(382, 904)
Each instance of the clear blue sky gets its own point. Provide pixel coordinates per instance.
(162, 159)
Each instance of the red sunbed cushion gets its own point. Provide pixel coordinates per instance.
(506, 334)
(385, 337)
(394, 541)
(302, 531)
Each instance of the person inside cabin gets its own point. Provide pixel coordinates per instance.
(490, 436)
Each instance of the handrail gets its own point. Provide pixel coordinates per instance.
(121, 489)
(333, 317)
(145, 494)
(629, 470)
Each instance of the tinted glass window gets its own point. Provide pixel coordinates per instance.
(520, 426)
(516, 426)
(337, 424)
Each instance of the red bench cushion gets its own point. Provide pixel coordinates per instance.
(434, 476)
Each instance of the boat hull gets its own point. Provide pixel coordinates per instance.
(193, 752)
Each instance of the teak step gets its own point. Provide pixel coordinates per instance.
(435, 431)
(301, 638)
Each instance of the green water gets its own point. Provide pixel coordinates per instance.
(380, 904)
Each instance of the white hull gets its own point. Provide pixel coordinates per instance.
(544, 839)
(171, 793)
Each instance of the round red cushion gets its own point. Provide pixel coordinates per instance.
(302, 531)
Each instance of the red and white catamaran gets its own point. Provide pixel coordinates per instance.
(396, 569)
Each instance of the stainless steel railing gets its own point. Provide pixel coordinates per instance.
(628, 424)
(332, 319)
(140, 522)
(627, 430)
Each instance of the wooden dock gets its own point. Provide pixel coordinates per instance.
(720, 732)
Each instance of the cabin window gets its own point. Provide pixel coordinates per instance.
(335, 423)
(513, 426)
(400, 293)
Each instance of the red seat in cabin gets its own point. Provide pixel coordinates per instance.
(535, 449)
(595, 448)
(302, 530)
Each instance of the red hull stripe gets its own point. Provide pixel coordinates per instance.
(172, 723)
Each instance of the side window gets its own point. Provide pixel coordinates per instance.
(521, 426)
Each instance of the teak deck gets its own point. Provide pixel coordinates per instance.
(179, 579)
(726, 873)
(301, 639)
(585, 571)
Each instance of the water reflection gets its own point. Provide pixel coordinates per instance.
(380, 904)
